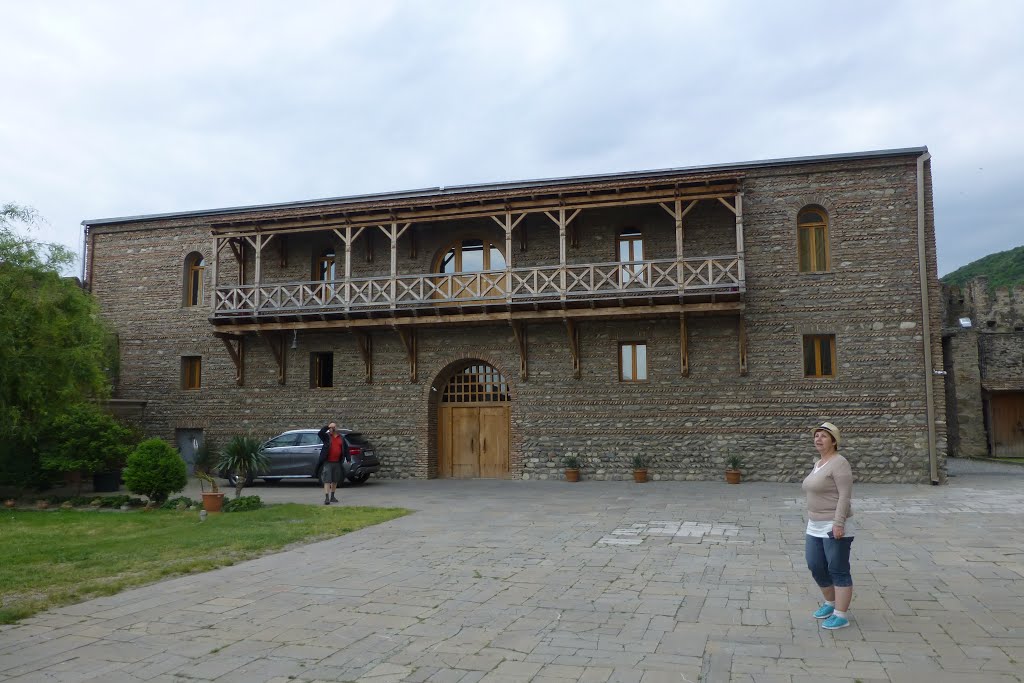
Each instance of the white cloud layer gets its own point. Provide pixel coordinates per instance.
(117, 108)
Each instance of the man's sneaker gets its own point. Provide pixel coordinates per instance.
(834, 622)
(333, 499)
(824, 612)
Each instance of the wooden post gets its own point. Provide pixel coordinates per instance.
(236, 350)
(679, 213)
(684, 351)
(347, 239)
(408, 337)
(743, 345)
(519, 332)
(508, 225)
(574, 347)
(213, 274)
(393, 234)
(561, 221)
(739, 243)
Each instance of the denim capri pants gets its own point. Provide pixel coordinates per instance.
(829, 560)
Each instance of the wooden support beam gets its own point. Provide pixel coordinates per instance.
(726, 204)
(743, 345)
(500, 317)
(235, 345)
(519, 331)
(684, 351)
(278, 349)
(217, 244)
(408, 337)
(364, 342)
(393, 234)
(238, 249)
(574, 347)
(740, 268)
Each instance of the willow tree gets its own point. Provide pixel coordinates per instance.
(54, 348)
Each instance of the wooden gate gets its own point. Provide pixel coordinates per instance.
(1007, 425)
(473, 425)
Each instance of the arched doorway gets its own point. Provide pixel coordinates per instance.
(473, 424)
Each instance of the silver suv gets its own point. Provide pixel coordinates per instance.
(295, 453)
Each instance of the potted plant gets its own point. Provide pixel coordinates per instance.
(572, 468)
(732, 469)
(213, 500)
(639, 468)
(241, 460)
(10, 503)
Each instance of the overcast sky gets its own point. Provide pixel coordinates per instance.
(125, 108)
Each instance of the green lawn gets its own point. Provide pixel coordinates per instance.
(64, 556)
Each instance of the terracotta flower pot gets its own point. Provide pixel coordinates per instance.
(572, 475)
(213, 502)
(640, 476)
(732, 476)
(10, 502)
(42, 504)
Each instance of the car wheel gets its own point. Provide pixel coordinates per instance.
(359, 478)
(233, 480)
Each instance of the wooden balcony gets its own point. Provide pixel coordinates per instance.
(570, 286)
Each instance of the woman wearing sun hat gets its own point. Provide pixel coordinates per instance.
(829, 488)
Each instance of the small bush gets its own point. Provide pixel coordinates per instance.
(640, 462)
(86, 440)
(155, 470)
(173, 503)
(243, 504)
(571, 462)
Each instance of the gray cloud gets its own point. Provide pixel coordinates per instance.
(120, 109)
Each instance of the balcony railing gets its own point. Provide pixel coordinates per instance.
(715, 274)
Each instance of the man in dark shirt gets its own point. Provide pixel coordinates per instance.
(330, 458)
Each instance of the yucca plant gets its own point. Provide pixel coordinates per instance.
(240, 460)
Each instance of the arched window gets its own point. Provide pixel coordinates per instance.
(466, 262)
(471, 256)
(195, 265)
(478, 383)
(812, 239)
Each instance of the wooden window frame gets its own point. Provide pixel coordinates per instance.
(317, 372)
(488, 244)
(195, 290)
(808, 232)
(325, 261)
(817, 340)
(632, 273)
(191, 373)
(633, 369)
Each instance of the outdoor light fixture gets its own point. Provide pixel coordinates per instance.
(965, 323)
(295, 339)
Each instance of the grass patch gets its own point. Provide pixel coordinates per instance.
(67, 556)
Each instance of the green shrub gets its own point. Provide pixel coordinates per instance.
(206, 456)
(571, 462)
(173, 503)
(85, 439)
(243, 504)
(155, 470)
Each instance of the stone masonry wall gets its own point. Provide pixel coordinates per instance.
(687, 425)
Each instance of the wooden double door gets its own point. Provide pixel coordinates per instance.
(474, 441)
(1007, 425)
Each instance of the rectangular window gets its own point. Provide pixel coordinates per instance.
(632, 362)
(819, 355)
(631, 256)
(191, 372)
(321, 370)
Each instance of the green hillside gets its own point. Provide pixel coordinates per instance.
(1003, 269)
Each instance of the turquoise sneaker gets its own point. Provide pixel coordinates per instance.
(824, 612)
(834, 622)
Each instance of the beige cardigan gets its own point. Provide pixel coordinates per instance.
(829, 491)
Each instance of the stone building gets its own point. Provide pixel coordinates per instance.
(490, 330)
(983, 351)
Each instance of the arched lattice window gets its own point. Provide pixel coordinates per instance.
(195, 266)
(478, 383)
(812, 239)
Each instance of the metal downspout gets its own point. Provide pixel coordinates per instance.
(922, 261)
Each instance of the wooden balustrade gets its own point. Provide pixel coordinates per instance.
(715, 274)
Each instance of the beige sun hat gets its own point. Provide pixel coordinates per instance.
(831, 429)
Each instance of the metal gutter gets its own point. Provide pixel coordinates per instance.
(929, 381)
(551, 183)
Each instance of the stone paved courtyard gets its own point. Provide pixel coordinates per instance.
(597, 581)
